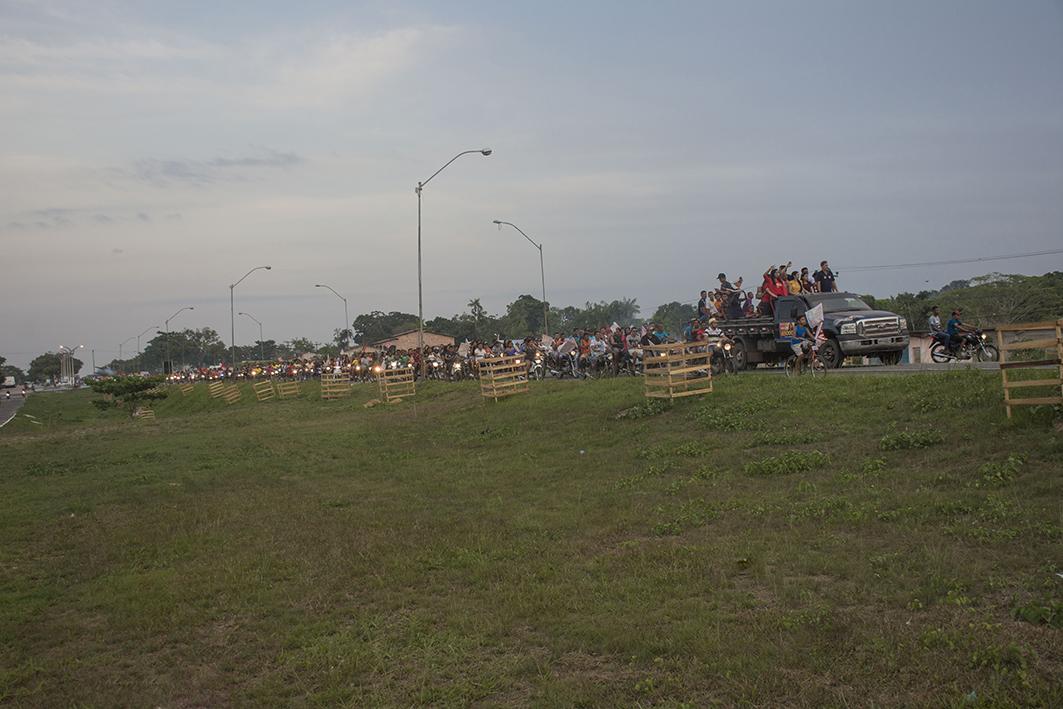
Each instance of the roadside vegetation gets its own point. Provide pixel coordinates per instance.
(854, 540)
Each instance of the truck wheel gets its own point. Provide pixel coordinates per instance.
(740, 358)
(890, 359)
(831, 353)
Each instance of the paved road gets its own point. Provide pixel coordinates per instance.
(8, 407)
(900, 368)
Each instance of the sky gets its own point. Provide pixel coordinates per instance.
(154, 152)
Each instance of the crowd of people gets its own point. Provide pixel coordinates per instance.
(610, 349)
(730, 301)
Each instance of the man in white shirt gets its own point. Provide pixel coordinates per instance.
(935, 321)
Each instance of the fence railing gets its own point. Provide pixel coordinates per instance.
(1043, 337)
(676, 370)
(503, 376)
(397, 384)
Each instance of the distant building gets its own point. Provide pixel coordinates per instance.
(407, 340)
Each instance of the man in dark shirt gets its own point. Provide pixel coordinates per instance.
(732, 305)
(825, 278)
(703, 306)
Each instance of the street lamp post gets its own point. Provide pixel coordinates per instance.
(167, 321)
(66, 363)
(542, 270)
(346, 315)
(120, 346)
(232, 315)
(261, 356)
(153, 327)
(420, 293)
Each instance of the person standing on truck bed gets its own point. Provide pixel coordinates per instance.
(825, 278)
(732, 305)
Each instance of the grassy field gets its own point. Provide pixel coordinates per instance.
(849, 541)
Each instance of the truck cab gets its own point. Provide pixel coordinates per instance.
(850, 325)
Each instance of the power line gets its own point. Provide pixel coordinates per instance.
(954, 261)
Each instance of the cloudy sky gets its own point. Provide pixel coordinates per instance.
(153, 152)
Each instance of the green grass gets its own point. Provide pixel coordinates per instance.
(763, 545)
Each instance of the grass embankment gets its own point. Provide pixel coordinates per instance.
(885, 540)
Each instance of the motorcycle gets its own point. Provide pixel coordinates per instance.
(564, 364)
(972, 346)
(721, 359)
(537, 367)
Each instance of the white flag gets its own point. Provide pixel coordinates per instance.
(815, 315)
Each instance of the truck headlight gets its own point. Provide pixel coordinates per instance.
(848, 329)
(903, 322)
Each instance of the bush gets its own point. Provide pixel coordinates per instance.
(788, 463)
(906, 440)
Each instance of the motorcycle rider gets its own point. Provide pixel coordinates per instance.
(957, 331)
(618, 344)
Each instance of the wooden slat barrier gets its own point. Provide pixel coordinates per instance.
(396, 384)
(335, 386)
(503, 376)
(187, 389)
(217, 388)
(1052, 347)
(144, 414)
(676, 370)
(264, 391)
(288, 390)
(231, 394)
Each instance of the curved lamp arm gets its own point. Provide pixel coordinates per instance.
(484, 151)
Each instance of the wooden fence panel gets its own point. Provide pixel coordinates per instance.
(397, 384)
(673, 371)
(231, 394)
(264, 390)
(288, 390)
(217, 388)
(335, 386)
(187, 389)
(1052, 349)
(503, 376)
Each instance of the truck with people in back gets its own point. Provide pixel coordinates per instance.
(850, 328)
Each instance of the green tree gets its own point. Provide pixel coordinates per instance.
(378, 325)
(127, 392)
(673, 316)
(300, 345)
(48, 366)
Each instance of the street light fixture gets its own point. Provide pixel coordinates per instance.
(420, 292)
(167, 321)
(542, 269)
(153, 327)
(261, 356)
(232, 314)
(346, 315)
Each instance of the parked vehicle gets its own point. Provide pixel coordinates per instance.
(850, 325)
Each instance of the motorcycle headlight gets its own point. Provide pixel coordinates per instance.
(376, 369)
(983, 336)
(848, 329)
(572, 353)
(457, 366)
(727, 347)
(519, 361)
